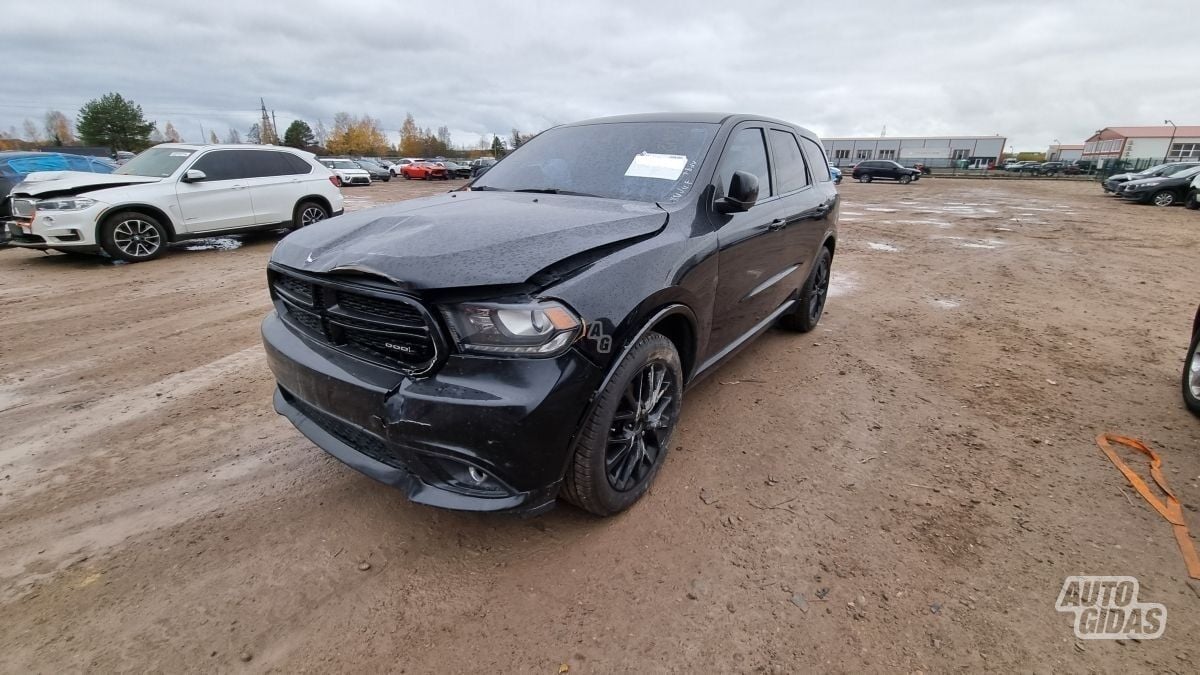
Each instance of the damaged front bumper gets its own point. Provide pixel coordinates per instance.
(480, 434)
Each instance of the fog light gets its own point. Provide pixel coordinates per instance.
(476, 475)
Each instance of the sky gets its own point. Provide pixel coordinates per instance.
(1032, 71)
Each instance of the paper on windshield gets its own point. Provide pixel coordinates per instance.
(652, 165)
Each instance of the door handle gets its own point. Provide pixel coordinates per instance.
(237, 187)
(777, 224)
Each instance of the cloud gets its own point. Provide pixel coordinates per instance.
(1031, 71)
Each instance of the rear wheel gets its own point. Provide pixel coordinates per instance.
(811, 304)
(133, 237)
(307, 213)
(1191, 376)
(865, 178)
(1163, 198)
(1193, 200)
(624, 442)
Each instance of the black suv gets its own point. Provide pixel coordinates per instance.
(1167, 190)
(1113, 182)
(884, 168)
(531, 335)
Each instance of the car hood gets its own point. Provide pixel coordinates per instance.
(466, 238)
(1157, 180)
(351, 171)
(74, 182)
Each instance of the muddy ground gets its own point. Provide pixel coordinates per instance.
(904, 489)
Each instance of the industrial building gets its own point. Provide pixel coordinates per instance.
(1168, 143)
(1064, 153)
(932, 151)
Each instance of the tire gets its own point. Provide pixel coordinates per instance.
(386, 178)
(1191, 376)
(1193, 200)
(865, 178)
(407, 177)
(905, 179)
(590, 483)
(133, 237)
(308, 212)
(811, 305)
(1163, 198)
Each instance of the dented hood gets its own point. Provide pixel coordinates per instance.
(74, 182)
(466, 238)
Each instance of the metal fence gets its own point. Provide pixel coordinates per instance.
(974, 168)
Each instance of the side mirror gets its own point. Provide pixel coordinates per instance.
(194, 176)
(743, 193)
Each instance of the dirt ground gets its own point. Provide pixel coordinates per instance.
(904, 489)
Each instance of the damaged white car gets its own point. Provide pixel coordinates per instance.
(169, 193)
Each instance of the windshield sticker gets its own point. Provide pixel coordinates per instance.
(180, 154)
(651, 165)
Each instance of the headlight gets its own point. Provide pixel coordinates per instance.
(542, 329)
(65, 204)
(1147, 184)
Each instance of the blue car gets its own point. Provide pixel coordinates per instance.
(837, 174)
(15, 165)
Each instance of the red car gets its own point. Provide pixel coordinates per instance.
(423, 171)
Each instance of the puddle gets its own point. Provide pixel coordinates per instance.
(880, 209)
(842, 283)
(971, 244)
(877, 246)
(944, 303)
(214, 244)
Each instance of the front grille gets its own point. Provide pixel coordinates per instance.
(360, 180)
(24, 208)
(373, 324)
(361, 440)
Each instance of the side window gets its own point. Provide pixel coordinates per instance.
(295, 165)
(816, 158)
(790, 172)
(745, 151)
(219, 165)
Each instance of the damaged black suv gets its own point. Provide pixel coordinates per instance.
(532, 335)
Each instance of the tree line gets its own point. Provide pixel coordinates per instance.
(118, 123)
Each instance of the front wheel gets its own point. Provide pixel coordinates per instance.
(1163, 198)
(905, 179)
(624, 441)
(811, 305)
(133, 237)
(1191, 376)
(865, 178)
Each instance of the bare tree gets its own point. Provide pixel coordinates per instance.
(233, 136)
(156, 136)
(212, 137)
(31, 132)
(320, 133)
(171, 134)
(58, 128)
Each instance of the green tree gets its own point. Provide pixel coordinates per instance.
(497, 147)
(299, 135)
(114, 121)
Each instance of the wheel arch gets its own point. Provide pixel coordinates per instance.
(313, 198)
(144, 209)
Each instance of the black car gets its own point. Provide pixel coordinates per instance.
(1114, 181)
(377, 171)
(1191, 369)
(1050, 168)
(454, 169)
(875, 169)
(532, 334)
(1167, 190)
(480, 166)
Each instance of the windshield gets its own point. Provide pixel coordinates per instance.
(155, 162)
(340, 164)
(1184, 173)
(637, 161)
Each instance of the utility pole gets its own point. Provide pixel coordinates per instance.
(1170, 142)
(266, 129)
(274, 129)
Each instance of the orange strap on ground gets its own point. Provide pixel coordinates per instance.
(1172, 510)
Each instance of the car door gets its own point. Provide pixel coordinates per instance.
(802, 204)
(220, 201)
(753, 259)
(276, 184)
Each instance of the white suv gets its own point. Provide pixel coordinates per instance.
(173, 192)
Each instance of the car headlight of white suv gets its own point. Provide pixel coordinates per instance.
(65, 204)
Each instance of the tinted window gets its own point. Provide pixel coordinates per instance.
(790, 173)
(221, 165)
(745, 152)
(638, 161)
(267, 163)
(816, 156)
(295, 164)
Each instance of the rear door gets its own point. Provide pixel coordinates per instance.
(276, 184)
(219, 202)
(803, 201)
(754, 257)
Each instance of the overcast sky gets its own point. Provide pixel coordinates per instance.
(1032, 71)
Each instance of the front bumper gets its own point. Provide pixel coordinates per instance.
(56, 229)
(514, 419)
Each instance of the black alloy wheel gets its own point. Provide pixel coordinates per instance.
(642, 423)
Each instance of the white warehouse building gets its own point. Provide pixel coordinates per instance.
(932, 151)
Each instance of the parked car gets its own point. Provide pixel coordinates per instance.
(1191, 369)
(1192, 199)
(480, 166)
(346, 172)
(1111, 183)
(377, 171)
(173, 192)
(837, 174)
(874, 169)
(1050, 168)
(16, 166)
(1013, 164)
(399, 164)
(454, 169)
(1072, 169)
(534, 336)
(1166, 190)
(424, 170)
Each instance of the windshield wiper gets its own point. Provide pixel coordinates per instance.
(485, 188)
(556, 191)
